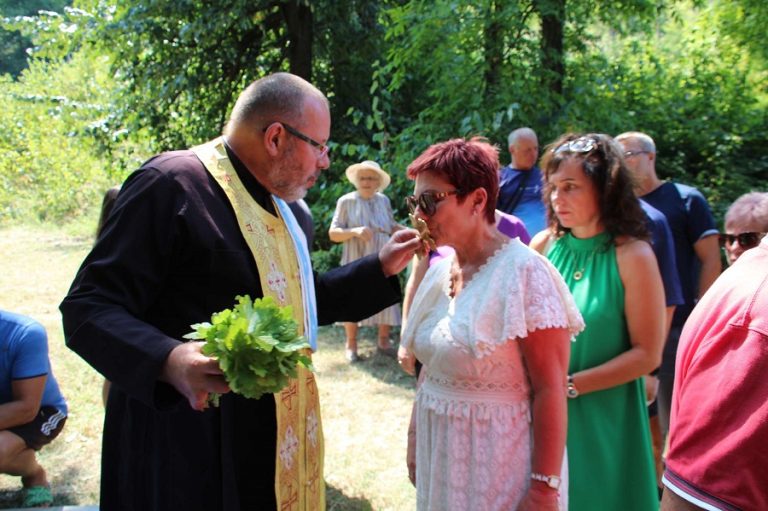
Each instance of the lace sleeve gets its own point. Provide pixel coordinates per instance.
(521, 292)
(548, 302)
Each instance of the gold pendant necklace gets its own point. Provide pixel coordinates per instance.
(579, 274)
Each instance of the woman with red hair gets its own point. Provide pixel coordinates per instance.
(492, 325)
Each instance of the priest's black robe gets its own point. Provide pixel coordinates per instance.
(172, 254)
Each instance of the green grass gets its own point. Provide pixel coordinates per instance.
(365, 406)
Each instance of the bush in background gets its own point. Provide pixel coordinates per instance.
(60, 151)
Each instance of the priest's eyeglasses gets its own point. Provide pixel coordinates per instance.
(324, 148)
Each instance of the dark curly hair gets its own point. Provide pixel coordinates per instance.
(602, 160)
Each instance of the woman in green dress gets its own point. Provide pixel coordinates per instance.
(597, 240)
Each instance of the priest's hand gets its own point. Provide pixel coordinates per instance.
(398, 251)
(193, 374)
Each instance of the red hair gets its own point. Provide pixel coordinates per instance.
(466, 164)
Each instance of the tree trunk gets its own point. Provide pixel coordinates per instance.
(493, 50)
(298, 20)
(552, 14)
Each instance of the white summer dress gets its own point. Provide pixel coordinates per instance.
(473, 417)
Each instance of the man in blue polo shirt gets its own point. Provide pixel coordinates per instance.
(696, 246)
(520, 182)
(32, 409)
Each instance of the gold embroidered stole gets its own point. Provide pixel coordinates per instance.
(299, 483)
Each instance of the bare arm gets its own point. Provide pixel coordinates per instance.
(540, 241)
(27, 395)
(546, 354)
(708, 251)
(419, 267)
(340, 235)
(646, 319)
(410, 454)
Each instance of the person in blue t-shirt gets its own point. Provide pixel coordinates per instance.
(664, 248)
(520, 182)
(696, 246)
(663, 244)
(32, 409)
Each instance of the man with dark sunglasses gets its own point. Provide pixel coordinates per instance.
(746, 223)
(696, 246)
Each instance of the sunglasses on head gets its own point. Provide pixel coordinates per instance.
(427, 201)
(746, 239)
(579, 145)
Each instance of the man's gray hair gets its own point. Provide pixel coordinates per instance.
(276, 97)
(646, 142)
(520, 132)
(750, 207)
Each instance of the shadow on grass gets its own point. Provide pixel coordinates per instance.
(65, 494)
(379, 366)
(62, 494)
(10, 498)
(337, 501)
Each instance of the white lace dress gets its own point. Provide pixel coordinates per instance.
(473, 434)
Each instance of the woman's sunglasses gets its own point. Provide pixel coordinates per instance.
(747, 240)
(427, 201)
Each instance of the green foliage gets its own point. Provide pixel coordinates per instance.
(183, 63)
(746, 21)
(324, 260)
(60, 150)
(437, 82)
(13, 58)
(13, 44)
(400, 75)
(688, 88)
(256, 343)
(655, 66)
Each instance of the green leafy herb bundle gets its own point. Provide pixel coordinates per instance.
(256, 343)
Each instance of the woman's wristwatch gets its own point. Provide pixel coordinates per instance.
(552, 481)
(572, 392)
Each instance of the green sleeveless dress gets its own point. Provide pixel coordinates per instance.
(610, 462)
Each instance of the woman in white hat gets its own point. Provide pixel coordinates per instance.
(364, 221)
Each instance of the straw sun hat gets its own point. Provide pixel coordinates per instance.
(354, 170)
